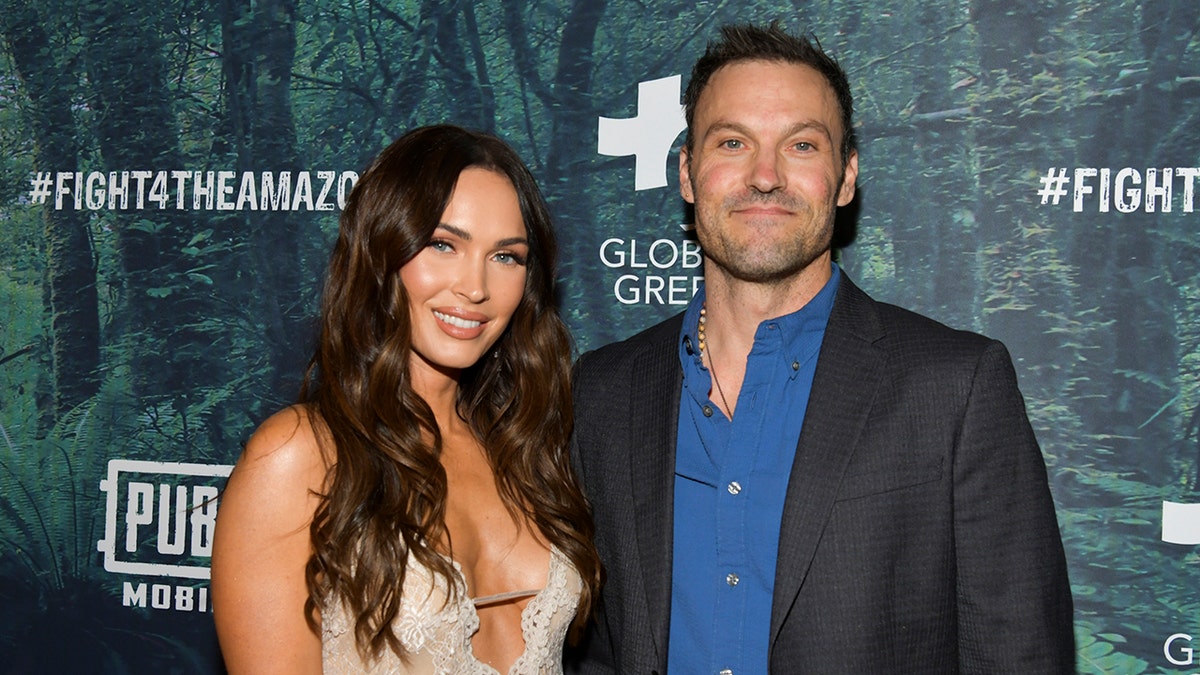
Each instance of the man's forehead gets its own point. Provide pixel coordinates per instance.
(800, 76)
(763, 66)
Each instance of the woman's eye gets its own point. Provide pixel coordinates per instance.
(508, 258)
(440, 245)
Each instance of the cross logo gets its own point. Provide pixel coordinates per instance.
(1181, 523)
(650, 135)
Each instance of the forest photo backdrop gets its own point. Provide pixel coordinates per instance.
(1027, 168)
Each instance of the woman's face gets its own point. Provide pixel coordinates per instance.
(465, 285)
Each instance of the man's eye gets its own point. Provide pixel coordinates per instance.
(804, 146)
(732, 144)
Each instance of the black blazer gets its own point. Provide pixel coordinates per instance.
(918, 533)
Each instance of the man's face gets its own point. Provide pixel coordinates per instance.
(765, 171)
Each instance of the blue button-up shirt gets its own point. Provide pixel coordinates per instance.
(731, 478)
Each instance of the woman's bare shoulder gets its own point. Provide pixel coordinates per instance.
(261, 547)
(274, 489)
(289, 445)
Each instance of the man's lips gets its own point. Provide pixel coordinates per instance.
(760, 210)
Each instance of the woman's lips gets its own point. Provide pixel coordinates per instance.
(461, 325)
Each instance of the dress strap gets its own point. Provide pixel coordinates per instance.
(501, 597)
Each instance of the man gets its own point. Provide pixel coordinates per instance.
(791, 477)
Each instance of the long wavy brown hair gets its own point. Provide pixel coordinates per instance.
(385, 495)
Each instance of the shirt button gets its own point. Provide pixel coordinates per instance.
(795, 365)
(731, 579)
(734, 487)
(725, 671)
(708, 411)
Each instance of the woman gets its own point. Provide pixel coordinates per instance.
(419, 503)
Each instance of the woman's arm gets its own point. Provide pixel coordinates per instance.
(261, 546)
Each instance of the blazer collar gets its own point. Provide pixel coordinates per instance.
(849, 370)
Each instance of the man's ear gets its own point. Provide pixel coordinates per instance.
(849, 179)
(685, 176)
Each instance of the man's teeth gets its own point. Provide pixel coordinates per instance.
(457, 322)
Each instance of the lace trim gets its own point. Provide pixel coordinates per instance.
(436, 634)
(545, 620)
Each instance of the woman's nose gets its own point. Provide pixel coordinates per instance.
(472, 282)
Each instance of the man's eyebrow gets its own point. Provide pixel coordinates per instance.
(726, 125)
(816, 125)
(803, 125)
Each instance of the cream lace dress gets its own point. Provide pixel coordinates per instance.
(437, 634)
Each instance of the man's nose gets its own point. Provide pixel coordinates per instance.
(765, 174)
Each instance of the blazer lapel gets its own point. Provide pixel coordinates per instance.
(654, 408)
(849, 369)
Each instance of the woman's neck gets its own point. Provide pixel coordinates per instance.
(439, 390)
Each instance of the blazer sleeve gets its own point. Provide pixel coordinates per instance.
(592, 654)
(1014, 597)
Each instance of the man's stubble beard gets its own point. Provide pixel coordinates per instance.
(764, 262)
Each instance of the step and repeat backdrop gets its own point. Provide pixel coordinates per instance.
(171, 175)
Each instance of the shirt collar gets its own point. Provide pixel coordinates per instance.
(795, 329)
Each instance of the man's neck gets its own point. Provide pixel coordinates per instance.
(735, 307)
(733, 310)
